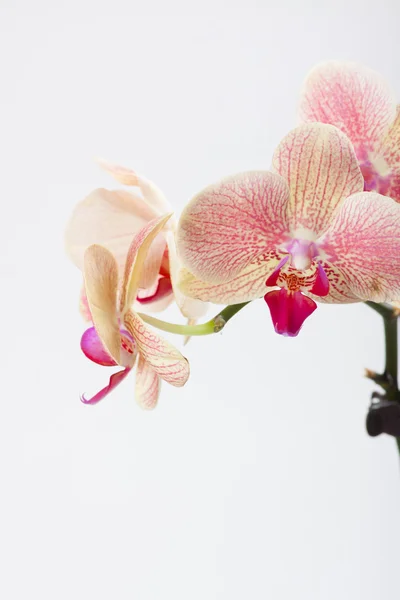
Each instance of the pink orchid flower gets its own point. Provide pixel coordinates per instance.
(111, 218)
(360, 103)
(308, 230)
(119, 335)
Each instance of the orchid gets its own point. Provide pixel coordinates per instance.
(360, 103)
(306, 231)
(119, 335)
(111, 218)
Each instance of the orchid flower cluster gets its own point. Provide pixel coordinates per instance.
(322, 225)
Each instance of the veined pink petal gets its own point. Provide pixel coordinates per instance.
(363, 245)
(227, 225)
(289, 310)
(189, 307)
(83, 305)
(147, 387)
(249, 284)
(390, 152)
(352, 97)
(320, 166)
(137, 253)
(108, 218)
(151, 193)
(161, 356)
(101, 283)
(115, 380)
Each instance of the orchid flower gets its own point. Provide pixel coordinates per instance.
(308, 230)
(119, 335)
(360, 103)
(111, 219)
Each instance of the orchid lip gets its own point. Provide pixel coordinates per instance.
(289, 310)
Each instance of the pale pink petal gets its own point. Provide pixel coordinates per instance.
(83, 305)
(363, 244)
(108, 218)
(152, 262)
(390, 152)
(352, 97)
(161, 356)
(115, 380)
(189, 307)
(154, 196)
(320, 166)
(161, 289)
(120, 174)
(157, 305)
(151, 193)
(147, 387)
(136, 257)
(249, 284)
(227, 225)
(101, 283)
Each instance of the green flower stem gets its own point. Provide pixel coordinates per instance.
(213, 326)
(391, 345)
(389, 379)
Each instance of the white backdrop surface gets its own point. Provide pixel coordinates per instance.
(257, 480)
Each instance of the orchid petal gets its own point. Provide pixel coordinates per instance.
(84, 306)
(136, 258)
(227, 225)
(115, 380)
(151, 193)
(93, 348)
(191, 308)
(156, 305)
(390, 151)
(162, 288)
(320, 166)
(161, 356)
(249, 284)
(101, 283)
(339, 291)
(120, 174)
(289, 310)
(363, 244)
(148, 276)
(147, 387)
(321, 284)
(108, 218)
(354, 98)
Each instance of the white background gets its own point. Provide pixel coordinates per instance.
(256, 480)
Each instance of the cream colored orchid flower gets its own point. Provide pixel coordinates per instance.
(111, 219)
(119, 335)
